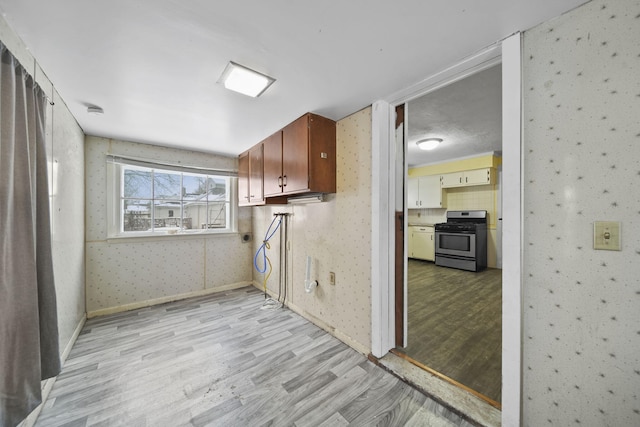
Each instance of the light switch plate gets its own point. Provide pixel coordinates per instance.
(606, 235)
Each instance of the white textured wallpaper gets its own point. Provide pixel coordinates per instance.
(123, 272)
(67, 214)
(336, 234)
(582, 164)
(64, 145)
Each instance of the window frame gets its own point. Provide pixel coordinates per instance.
(115, 197)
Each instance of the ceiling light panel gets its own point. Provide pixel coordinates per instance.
(245, 80)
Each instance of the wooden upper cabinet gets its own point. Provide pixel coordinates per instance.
(250, 190)
(322, 154)
(272, 157)
(243, 179)
(295, 155)
(301, 158)
(256, 194)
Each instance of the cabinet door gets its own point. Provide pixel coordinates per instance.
(410, 245)
(430, 192)
(243, 179)
(255, 174)
(421, 243)
(272, 162)
(413, 193)
(322, 154)
(431, 247)
(452, 179)
(477, 177)
(295, 156)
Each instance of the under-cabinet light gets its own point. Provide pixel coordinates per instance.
(303, 200)
(245, 80)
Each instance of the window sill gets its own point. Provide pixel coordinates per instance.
(122, 238)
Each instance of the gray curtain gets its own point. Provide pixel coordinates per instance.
(28, 317)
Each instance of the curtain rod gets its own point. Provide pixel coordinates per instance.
(115, 158)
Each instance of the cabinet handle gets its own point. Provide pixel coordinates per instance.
(280, 181)
(460, 180)
(466, 179)
(420, 202)
(284, 182)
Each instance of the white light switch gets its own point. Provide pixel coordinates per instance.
(606, 235)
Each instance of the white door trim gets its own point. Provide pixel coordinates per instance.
(382, 225)
(512, 230)
(384, 185)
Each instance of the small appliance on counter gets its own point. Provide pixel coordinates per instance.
(461, 242)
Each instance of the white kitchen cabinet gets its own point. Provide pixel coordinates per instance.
(466, 178)
(413, 193)
(421, 243)
(424, 192)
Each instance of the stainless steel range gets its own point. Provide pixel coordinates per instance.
(461, 242)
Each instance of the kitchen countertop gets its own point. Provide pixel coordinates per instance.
(426, 224)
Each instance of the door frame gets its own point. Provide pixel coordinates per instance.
(385, 188)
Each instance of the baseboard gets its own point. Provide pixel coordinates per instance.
(162, 300)
(72, 341)
(321, 324)
(47, 384)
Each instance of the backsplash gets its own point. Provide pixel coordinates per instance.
(426, 216)
(481, 197)
(581, 321)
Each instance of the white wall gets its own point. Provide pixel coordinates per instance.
(336, 234)
(134, 272)
(581, 336)
(65, 156)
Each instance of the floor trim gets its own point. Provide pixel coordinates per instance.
(460, 401)
(319, 323)
(443, 377)
(165, 299)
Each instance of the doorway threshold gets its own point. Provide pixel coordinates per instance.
(476, 409)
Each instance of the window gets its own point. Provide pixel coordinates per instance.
(153, 199)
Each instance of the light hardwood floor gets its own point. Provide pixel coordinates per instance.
(455, 324)
(221, 360)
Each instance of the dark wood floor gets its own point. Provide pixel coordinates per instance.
(222, 360)
(455, 324)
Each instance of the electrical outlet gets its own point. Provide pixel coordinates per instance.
(332, 278)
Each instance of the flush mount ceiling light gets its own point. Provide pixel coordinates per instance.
(429, 143)
(94, 110)
(245, 80)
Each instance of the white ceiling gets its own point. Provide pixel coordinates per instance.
(466, 115)
(152, 65)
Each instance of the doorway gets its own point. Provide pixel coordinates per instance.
(454, 316)
(384, 193)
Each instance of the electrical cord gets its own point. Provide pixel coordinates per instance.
(266, 262)
(286, 258)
